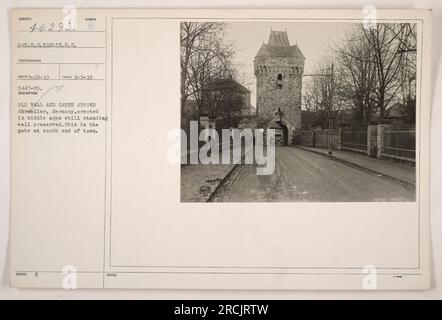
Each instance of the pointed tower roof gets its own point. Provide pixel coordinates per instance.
(279, 46)
(279, 39)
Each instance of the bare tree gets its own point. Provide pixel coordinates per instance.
(387, 44)
(375, 67)
(205, 55)
(322, 91)
(407, 74)
(357, 74)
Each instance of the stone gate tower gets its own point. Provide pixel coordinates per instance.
(278, 69)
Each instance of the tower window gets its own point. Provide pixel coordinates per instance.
(279, 81)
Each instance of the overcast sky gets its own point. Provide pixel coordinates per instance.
(313, 38)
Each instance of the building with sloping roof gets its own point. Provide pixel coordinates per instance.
(227, 101)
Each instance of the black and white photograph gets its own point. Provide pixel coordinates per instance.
(298, 111)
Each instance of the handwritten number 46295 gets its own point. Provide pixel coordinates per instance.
(43, 27)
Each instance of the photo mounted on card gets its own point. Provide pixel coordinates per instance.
(310, 129)
(298, 111)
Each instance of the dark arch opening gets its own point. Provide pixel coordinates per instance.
(281, 133)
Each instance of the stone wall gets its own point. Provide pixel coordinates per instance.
(321, 138)
(284, 93)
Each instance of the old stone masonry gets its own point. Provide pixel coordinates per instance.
(279, 67)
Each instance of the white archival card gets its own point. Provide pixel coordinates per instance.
(220, 149)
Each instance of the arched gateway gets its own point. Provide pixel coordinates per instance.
(282, 133)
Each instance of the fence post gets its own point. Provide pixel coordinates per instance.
(369, 139)
(380, 140)
(340, 138)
